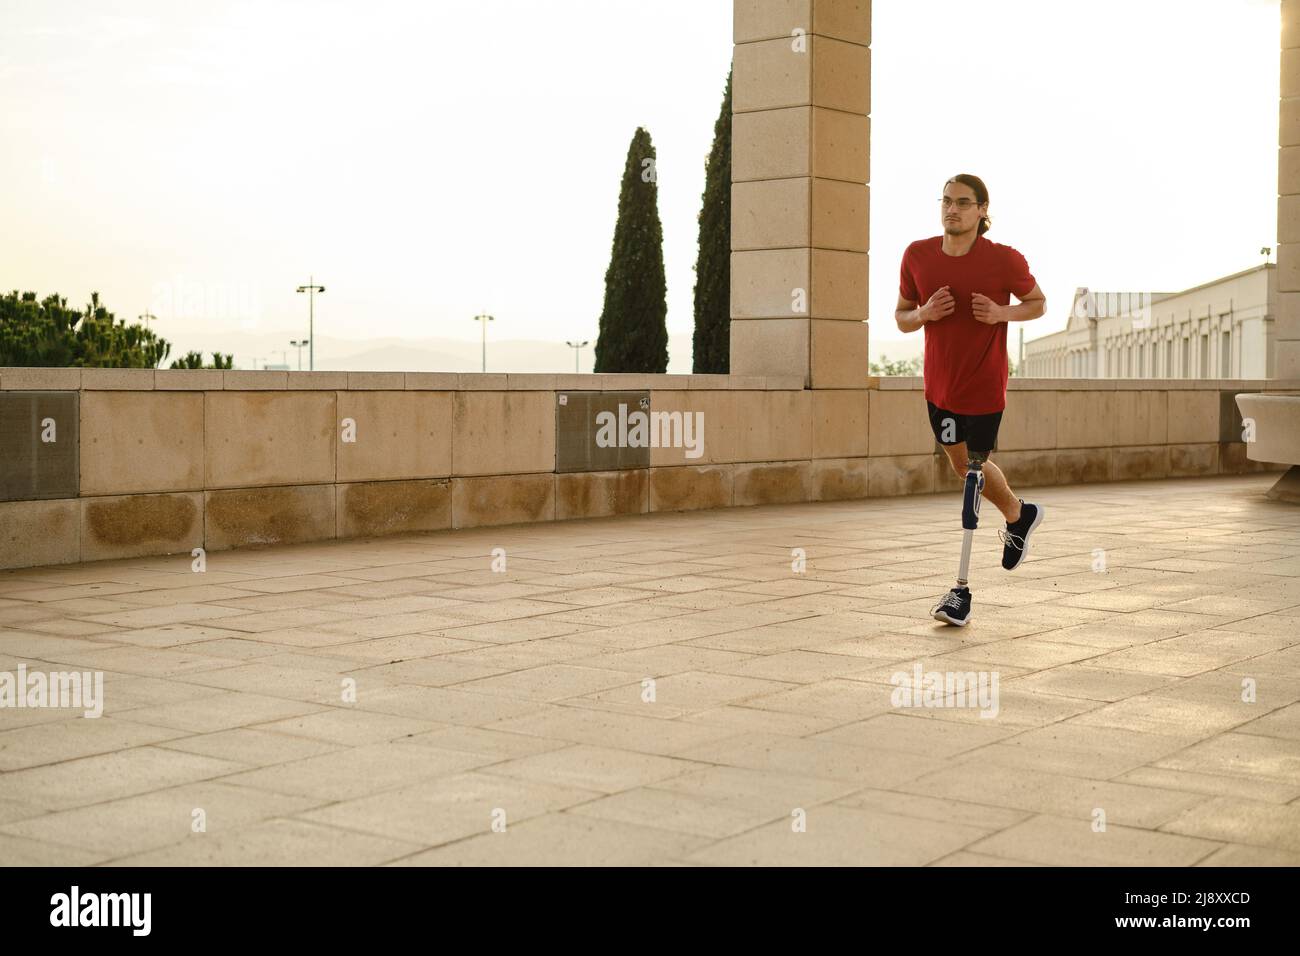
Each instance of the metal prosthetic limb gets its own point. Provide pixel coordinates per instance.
(970, 510)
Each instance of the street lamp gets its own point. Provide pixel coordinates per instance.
(485, 319)
(298, 344)
(577, 347)
(311, 289)
(146, 318)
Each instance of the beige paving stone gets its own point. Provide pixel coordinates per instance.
(276, 843)
(1019, 709)
(664, 659)
(1271, 758)
(763, 721)
(144, 661)
(547, 682)
(350, 727)
(484, 741)
(446, 705)
(178, 613)
(11, 810)
(86, 780)
(450, 808)
(356, 771)
(1071, 748)
(1088, 682)
(618, 730)
(831, 760)
(258, 748)
(564, 840)
(1168, 716)
(772, 689)
(1115, 633)
(1171, 661)
(56, 741)
(277, 620)
(152, 820)
(1234, 820)
(200, 593)
(1236, 855)
(601, 769)
(390, 625)
(973, 814)
(799, 666)
(514, 631)
(1056, 793)
(916, 735)
(843, 699)
(293, 684)
(679, 812)
(1026, 652)
(1055, 841)
(842, 836)
(431, 672)
(144, 691)
(964, 858)
(772, 792)
(687, 691)
(20, 851)
(1247, 787)
(1283, 722)
(70, 628)
(521, 655)
(175, 635)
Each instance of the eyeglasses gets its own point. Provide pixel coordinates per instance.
(962, 204)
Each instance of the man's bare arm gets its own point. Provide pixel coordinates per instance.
(1032, 305)
(911, 317)
(907, 315)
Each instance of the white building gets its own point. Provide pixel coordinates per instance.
(1222, 329)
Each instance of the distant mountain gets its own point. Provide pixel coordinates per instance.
(434, 354)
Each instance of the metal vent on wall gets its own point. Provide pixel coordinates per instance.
(39, 445)
(576, 448)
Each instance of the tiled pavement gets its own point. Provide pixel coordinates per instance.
(521, 696)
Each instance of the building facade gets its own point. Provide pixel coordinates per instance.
(1220, 330)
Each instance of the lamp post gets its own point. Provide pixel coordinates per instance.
(146, 318)
(485, 319)
(298, 344)
(311, 289)
(577, 348)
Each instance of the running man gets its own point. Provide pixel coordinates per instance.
(966, 283)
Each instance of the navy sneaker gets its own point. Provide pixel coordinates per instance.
(954, 608)
(1015, 539)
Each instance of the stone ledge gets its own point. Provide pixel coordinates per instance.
(13, 379)
(108, 379)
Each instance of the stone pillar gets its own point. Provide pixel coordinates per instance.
(801, 101)
(1286, 319)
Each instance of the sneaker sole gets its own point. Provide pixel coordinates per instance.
(942, 616)
(1024, 552)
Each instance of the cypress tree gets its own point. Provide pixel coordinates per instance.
(711, 352)
(633, 331)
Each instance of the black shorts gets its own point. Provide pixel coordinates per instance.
(979, 432)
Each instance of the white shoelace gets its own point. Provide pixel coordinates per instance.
(1014, 540)
(952, 601)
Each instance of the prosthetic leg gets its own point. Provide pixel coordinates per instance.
(970, 510)
(955, 607)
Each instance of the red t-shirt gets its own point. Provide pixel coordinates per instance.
(965, 359)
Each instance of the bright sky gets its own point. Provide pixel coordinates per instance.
(426, 161)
